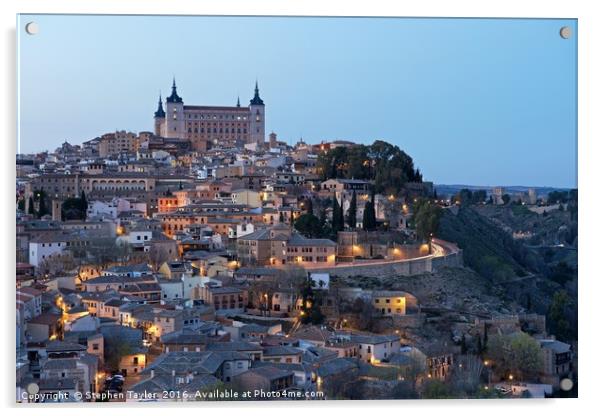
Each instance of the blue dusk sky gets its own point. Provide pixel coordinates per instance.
(473, 101)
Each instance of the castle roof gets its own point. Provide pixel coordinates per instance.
(256, 100)
(174, 97)
(160, 113)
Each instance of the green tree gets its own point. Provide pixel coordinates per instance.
(369, 217)
(436, 389)
(310, 310)
(337, 215)
(555, 197)
(464, 197)
(479, 196)
(516, 354)
(115, 349)
(426, 219)
(73, 209)
(42, 209)
(561, 273)
(31, 208)
(309, 225)
(559, 319)
(386, 164)
(84, 203)
(352, 212)
(324, 226)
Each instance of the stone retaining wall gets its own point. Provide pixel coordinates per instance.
(420, 265)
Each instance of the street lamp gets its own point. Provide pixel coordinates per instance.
(487, 364)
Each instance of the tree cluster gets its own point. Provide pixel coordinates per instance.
(75, 208)
(468, 197)
(562, 197)
(387, 165)
(517, 354)
(40, 197)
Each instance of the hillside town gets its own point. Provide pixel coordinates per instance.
(205, 261)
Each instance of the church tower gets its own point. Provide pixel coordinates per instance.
(159, 118)
(174, 114)
(257, 124)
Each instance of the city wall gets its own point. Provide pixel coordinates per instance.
(446, 255)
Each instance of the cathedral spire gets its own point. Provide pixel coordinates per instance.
(238, 102)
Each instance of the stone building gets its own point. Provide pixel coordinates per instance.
(117, 143)
(207, 126)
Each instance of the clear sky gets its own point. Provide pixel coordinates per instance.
(473, 101)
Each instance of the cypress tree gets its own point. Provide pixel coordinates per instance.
(42, 210)
(337, 218)
(84, 204)
(352, 212)
(366, 217)
(341, 213)
(369, 214)
(30, 209)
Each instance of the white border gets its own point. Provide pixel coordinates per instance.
(590, 136)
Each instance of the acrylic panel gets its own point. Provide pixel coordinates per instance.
(295, 208)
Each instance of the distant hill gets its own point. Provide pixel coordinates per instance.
(488, 249)
(530, 275)
(443, 189)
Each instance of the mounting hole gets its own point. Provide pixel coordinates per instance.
(566, 384)
(32, 28)
(565, 32)
(33, 388)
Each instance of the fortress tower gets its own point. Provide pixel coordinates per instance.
(257, 109)
(159, 118)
